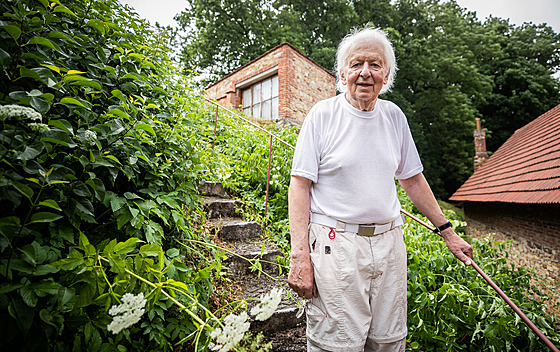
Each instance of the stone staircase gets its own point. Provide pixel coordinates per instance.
(284, 329)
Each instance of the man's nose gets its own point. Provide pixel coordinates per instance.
(365, 70)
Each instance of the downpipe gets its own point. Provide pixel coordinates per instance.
(527, 321)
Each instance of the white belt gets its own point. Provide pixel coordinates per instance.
(360, 229)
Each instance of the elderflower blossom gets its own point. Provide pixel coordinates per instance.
(128, 313)
(38, 127)
(90, 137)
(269, 303)
(235, 327)
(17, 111)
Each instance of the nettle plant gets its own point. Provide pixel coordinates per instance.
(98, 178)
(452, 308)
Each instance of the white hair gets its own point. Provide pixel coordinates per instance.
(358, 36)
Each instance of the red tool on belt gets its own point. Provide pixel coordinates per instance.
(533, 327)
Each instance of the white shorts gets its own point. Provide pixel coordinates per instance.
(361, 284)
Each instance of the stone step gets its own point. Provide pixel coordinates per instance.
(221, 208)
(286, 316)
(233, 229)
(288, 340)
(238, 267)
(212, 189)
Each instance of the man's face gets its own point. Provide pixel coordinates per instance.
(364, 74)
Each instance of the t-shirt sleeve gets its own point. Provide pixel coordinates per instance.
(306, 156)
(410, 163)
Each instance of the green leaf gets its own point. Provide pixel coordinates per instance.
(100, 26)
(172, 252)
(52, 67)
(82, 81)
(72, 101)
(43, 41)
(124, 217)
(51, 203)
(126, 247)
(40, 104)
(63, 9)
(145, 127)
(29, 153)
(44, 217)
(112, 158)
(23, 189)
(60, 35)
(117, 203)
(119, 113)
(150, 250)
(14, 31)
(5, 58)
(63, 125)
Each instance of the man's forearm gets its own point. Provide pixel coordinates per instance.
(422, 196)
(298, 212)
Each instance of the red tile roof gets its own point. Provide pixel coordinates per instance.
(525, 169)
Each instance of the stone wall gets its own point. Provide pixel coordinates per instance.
(533, 229)
(309, 86)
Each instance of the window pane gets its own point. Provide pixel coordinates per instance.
(266, 91)
(246, 98)
(257, 110)
(266, 110)
(275, 108)
(275, 86)
(247, 111)
(257, 93)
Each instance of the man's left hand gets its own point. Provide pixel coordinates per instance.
(458, 246)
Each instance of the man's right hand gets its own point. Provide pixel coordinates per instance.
(301, 278)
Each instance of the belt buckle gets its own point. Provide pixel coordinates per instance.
(367, 231)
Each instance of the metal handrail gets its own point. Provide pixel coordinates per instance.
(527, 321)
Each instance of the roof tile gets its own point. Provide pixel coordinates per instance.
(525, 169)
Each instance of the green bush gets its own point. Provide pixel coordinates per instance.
(98, 176)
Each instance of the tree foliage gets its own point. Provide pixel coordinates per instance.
(453, 67)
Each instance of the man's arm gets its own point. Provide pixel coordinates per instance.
(300, 277)
(421, 195)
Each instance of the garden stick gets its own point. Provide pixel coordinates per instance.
(527, 321)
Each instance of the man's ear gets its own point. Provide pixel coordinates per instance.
(386, 78)
(343, 77)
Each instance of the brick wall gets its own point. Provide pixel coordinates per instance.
(302, 83)
(534, 230)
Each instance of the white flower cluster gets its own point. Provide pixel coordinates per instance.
(38, 127)
(90, 137)
(127, 313)
(235, 327)
(269, 303)
(17, 111)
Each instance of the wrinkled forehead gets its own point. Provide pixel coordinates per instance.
(372, 49)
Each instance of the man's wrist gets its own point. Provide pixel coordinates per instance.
(441, 228)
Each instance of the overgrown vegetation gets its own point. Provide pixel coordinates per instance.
(98, 176)
(103, 143)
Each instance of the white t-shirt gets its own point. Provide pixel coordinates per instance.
(352, 158)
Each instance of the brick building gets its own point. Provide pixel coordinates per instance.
(515, 195)
(281, 85)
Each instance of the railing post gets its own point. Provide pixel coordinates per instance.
(215, 127)
(268, 180)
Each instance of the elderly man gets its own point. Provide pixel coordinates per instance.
(348, 258)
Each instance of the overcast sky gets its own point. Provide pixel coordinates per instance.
(517, 11)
